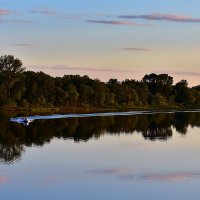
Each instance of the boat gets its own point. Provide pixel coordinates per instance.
(25, 121)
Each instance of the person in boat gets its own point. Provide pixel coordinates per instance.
(25, 119)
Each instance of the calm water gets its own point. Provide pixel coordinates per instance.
(136, 156)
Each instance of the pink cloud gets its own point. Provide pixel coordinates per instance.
(4, 12)
(162, 17)
(113, 22)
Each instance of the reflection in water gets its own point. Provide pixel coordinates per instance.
(129, 174)
(15, 137)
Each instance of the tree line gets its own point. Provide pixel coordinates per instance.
(21, 88)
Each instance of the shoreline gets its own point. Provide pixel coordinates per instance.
(91, 109)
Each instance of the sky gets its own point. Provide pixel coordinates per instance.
(104, 39)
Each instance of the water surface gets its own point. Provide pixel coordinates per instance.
(119, 156)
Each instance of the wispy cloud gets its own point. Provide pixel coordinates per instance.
(23, 45)
(44, 11)
(114, 22)
(162, 17)
(4, 12)
(57, 67)
(135, 49)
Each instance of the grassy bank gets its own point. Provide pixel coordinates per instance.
(88, 109)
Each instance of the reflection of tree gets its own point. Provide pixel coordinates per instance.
(159, 128)
(14, 137)
(10, 145)
(181, 122)
(10, 153)
(154, 132)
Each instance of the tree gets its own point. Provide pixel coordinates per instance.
(140, 91)
(161, 83)
(11, 71)
(158, 99)
(72, 94)
(182, 93)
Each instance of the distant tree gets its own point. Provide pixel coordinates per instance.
(161, 83)
(183, 94)
(72, 94)
(11, 72)
(158, 99)
(39, 86)
(100, 93)
(60, 97)
(86, 95)
(110, 99)
(197, 88)
(140, 91)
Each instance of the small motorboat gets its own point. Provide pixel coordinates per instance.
(22, 120)
(25, 121)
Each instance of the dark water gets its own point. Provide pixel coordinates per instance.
(134, 156)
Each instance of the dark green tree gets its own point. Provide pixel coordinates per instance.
(11, 72)
(183, 95)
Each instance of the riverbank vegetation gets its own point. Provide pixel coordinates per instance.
(31, 90)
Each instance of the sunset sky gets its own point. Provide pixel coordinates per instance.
(104, 38)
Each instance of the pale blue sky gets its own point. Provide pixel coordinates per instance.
(91, 37)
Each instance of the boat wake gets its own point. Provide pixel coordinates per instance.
(26, 121)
